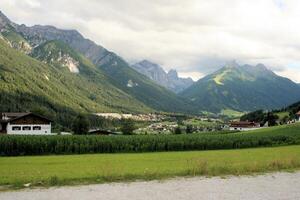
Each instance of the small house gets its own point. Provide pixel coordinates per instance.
(24, 124)
(243, 126)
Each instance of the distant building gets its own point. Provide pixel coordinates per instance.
(298, 116)
(101, 132)
(24, 124)
(243, 126)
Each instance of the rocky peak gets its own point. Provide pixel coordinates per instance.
(173, 74)
(169, 80)
(232, 64)
(149, 65)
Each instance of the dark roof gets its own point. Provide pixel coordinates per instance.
(14, 116)
(101, 132)
(244, 124)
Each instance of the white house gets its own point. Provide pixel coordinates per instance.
(24, 124)
(244, 126)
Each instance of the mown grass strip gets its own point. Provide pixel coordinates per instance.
(99, 168)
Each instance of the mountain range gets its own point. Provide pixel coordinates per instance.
(242, 88)
(62, 73)
(88, 77)
(156, 73)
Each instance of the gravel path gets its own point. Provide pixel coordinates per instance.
(277, 186)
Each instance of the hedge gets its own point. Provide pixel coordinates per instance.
(44, 145)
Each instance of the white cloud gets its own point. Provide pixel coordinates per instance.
(194, 36)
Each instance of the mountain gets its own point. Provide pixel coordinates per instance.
(242, 88)
(144, 93)
(28, 84)
(9, 34)
(113, 66)
(156, 73)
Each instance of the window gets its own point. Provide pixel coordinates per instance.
(26, 128)
(16, 128)
(37, 128)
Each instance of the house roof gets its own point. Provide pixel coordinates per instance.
(9, 117)
(298, 113)
(244, 124)
(101, 132)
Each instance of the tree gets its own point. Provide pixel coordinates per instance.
(177, 130)
(189, 129)
(127, 126)
(81, 125)
(271, 118)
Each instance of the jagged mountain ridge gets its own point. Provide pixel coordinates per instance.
(169, 80)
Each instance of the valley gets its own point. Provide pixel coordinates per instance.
(74, 112)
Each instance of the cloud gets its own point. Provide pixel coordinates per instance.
(195, 36)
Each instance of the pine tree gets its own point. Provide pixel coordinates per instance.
(81, 125)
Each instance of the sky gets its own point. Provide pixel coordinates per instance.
(195, 37)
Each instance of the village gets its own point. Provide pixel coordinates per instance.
(34, 124)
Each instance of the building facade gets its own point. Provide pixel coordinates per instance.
(244, 126)
(24, 124)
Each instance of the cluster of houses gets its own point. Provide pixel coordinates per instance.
(33, 124)
(137, 117)
(162, 127)
(246, 126)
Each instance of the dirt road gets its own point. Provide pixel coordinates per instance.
(276, 186)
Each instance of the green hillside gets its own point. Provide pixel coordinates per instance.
(15, 40)
(242, 88)
(27, 84)
(124, 77)
(142, 88)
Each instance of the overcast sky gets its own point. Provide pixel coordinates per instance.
(195, 37)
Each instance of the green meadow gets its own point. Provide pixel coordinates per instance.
(277, 148)
(99, 168)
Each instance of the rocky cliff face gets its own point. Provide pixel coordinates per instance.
(10, 36)
(169, 80)
(39, 34)
(3, 21)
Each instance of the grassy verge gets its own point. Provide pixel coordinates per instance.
(98, 168)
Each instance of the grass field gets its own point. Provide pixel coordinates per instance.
(99, 168)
